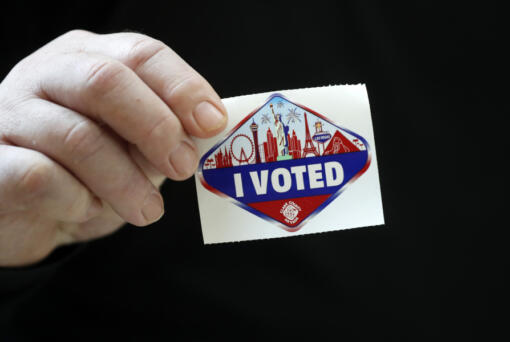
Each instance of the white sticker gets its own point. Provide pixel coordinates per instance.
(290, 162)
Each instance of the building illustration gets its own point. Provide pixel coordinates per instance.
(249, 146)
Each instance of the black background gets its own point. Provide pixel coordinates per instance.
(433, 270)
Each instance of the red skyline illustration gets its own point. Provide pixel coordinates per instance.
(223, 159)
(268, 151)
(294, 145)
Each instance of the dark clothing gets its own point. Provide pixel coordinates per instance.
(419, 277)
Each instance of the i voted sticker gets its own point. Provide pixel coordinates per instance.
(285, 162)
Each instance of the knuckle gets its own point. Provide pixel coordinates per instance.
(182, 87)
(36, 178)
(67, 41)
(104, 76)
(21, 77)
(144, 50)
(130, 186)
(78, 206)
(83, 140)
(76, 33)
(10, 103)
(168, 124)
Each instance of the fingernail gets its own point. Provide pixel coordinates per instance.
(153, 207)
(96, 207)
(184, 159)
(208, 117)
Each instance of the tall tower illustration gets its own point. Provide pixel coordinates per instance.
(309, 147)
(254, 130)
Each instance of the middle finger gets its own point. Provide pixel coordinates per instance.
(91, 153)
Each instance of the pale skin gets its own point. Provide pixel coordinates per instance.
(90, 127)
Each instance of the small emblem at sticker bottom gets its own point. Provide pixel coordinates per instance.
(284, 162)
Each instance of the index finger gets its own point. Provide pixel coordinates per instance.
(108, 91)
(183, 89)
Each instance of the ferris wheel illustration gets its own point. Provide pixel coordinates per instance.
(239, 145)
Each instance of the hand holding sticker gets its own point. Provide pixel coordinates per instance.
(272, 165)
(90, 126)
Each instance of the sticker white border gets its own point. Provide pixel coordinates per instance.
(359, 206)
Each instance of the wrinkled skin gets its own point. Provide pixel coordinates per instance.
(90, 127)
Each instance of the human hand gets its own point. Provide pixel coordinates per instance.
(90, 126)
